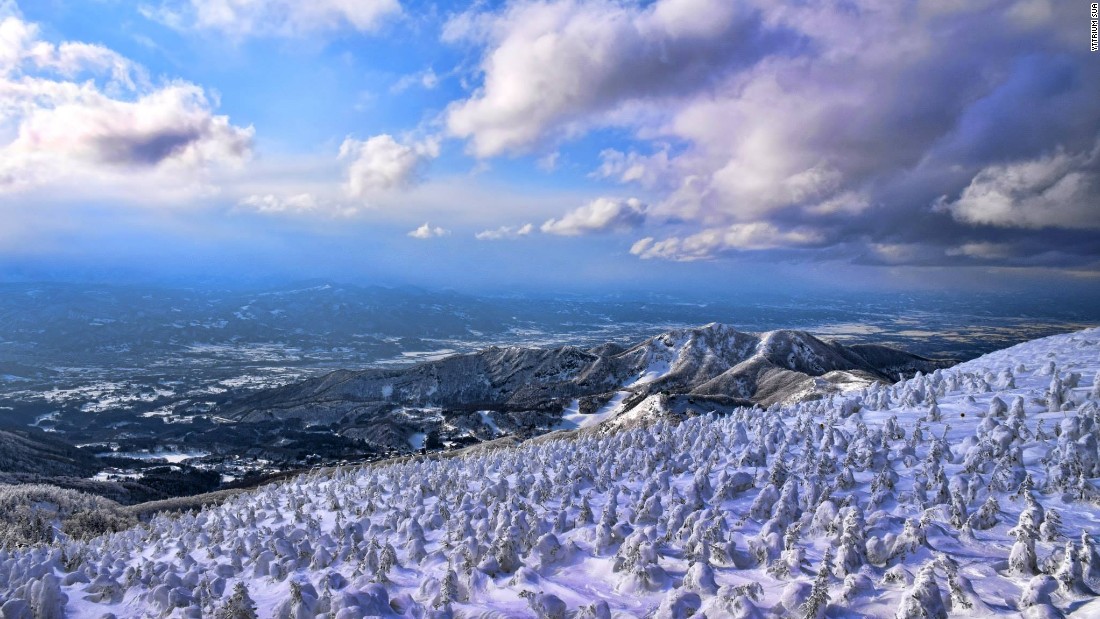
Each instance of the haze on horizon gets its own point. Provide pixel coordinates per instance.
(552, 145)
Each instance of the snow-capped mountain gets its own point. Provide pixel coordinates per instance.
(970, 491)
(527, 391)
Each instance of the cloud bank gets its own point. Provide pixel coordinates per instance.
(855, 127)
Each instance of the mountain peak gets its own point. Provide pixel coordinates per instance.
(527, 391)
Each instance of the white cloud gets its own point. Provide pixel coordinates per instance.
(21, 49)
(848, 202)
(987, 251)
(551, 64)
(902, 253)
(427, 231)
(269, 203)
(712, 242)
(381, 163)
(761, 132)
(646, 170)
(841, 116)
(295, 204)
(1059, 190)
(241, 18)
(426, 79)
(599, 215)
(505, 232)
(82, 116)
(549, 162)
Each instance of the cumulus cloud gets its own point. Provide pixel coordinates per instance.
(274, 17)
(505, 232)
(713, 242)
(599, 215)
(84, 116)
(551, 64)
(427, 231)
(836, 120)
(381, 163)
(1060, 190)
(631, 167)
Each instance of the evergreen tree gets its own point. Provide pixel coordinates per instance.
(1051, 529)
(923, 601)
(238, 606)
(815, 605)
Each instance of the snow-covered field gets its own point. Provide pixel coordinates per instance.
(969, 492)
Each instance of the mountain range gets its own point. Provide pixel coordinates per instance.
(523, 391)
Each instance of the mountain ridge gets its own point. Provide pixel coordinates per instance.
(528, 389)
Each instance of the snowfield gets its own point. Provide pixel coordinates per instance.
(968, 492)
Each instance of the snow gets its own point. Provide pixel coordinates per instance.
(661, 358)
(171, 457)
(417, 440)
(870, 503)
(572, 418)
(487, 419)
(418, 356)
(115, 475)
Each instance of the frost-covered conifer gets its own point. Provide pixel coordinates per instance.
(596, 610)
(1094, 392)
(1022, 558)
(815, 605)
(934, 413)
(997, 408)
(957, 587)
(959, 514)
(239, 605)
(584, 516)
(923, 601)
(449, 591)
(1070, 573)
(700, 577)
(852, 553)
(1051, 529)
(1055, 397)
(386, 560)
(1038, 594)
(1090, 559)
(764, 502)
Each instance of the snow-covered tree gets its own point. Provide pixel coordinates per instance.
(1022, 558)
(1051, 529)
(923, 600)
(814, 606)
(239, 605)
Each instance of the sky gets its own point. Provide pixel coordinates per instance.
(557, 144)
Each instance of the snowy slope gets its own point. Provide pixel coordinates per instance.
(972, 490)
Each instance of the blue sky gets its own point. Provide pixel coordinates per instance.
(552, 145)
